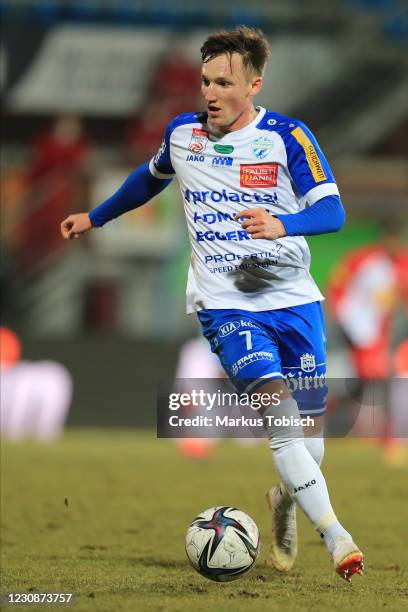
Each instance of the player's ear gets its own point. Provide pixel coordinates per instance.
(256, 84)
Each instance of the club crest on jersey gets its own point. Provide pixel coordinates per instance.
(258, 175)
(308, 362)
(262, 146)
(199, 139)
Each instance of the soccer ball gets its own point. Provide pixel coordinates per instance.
(222, 543)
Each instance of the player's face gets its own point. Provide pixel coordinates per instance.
(228, 92)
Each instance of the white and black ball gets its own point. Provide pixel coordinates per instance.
(222, 543)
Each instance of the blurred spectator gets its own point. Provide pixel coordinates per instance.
(364, 293)
(145, 132)
(396, 454)
(401, 361)
(57, 183)
(365, 290)
(199, 368)
(13, 197)
(176, 81)
(196, 361)
(10, 348)
(35, 396)
(175, 89)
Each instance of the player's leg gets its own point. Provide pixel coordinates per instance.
(283, 549)
(302, 348)
(305, 482)
(240, 338)
(250, 357)
(247, 351)
(298, 361)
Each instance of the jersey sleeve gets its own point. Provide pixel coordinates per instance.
(307, 165)
(139, 187)
(160, 165)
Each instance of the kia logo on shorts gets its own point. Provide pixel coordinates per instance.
(228, 328)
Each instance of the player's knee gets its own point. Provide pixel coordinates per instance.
(315, 427)
(283, 425)
(315, 446)
(277, 390)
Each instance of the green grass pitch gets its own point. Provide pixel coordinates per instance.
(103, 514)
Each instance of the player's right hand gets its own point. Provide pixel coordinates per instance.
(75, 225)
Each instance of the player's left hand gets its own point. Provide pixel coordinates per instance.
(260, 224)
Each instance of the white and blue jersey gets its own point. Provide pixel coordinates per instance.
(273, 163)
(256, 300)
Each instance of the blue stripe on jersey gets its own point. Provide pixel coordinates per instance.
(306, 163)
(162, 160)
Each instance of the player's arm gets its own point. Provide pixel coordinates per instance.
(140, 187)
(325, 216)
(314, 181)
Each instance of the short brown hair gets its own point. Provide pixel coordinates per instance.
(250, 43)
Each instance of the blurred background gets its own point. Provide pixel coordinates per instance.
(88, 88)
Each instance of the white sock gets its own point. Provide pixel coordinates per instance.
(300, 473)
(315, 446)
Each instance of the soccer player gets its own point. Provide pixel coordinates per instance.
(364, 292)
(366, 288)
(254, 183)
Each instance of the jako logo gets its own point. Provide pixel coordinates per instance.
(195, 158)
(305, 486)
(160, 152)
(222, 161)
(228, 328)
